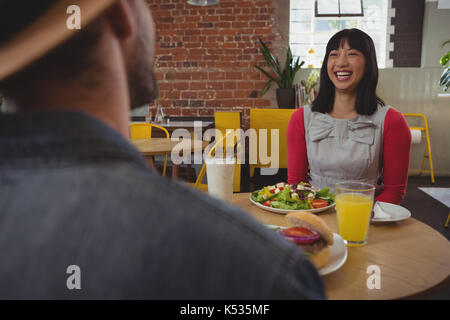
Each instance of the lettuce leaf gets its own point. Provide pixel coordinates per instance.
(257, 197)
(325, 194)
(285, 194)
(290, 205)
(260, 197)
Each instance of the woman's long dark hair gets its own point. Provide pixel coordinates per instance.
(367, 99)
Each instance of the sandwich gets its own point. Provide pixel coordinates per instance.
(310, 233)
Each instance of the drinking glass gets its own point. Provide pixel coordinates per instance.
(220, 175)
(354, 201)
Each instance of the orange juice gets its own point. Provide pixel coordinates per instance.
(353, 215)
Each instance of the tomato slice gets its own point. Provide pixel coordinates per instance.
(319, 203)
(298, 232)
(267, 203)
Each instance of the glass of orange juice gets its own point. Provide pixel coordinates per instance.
(354, 201)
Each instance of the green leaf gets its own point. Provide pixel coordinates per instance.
(272, 62)
(445, 59)
(260, 197)
(283, 76)
(268, 75)
(266, 87)
(323, 192)
(445, 77)
(287, 67)
(297, 66)
(445, 80)
(285, 194)
(291, 205)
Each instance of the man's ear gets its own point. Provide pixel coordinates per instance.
(120, 17)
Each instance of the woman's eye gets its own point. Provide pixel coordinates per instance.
(332, 54)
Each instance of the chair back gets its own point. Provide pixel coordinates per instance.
(143, 130)
(271, 119)
(224, 120)
(140, 131)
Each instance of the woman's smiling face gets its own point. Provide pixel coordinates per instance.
(346, 68)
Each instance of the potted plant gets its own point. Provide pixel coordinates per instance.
(445, 77)
(283, 77)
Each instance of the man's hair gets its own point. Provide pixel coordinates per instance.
(68, 60)
(366, 100)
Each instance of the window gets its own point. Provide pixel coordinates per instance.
(339, 8)
(309, 34)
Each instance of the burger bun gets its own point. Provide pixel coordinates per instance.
(321, 258)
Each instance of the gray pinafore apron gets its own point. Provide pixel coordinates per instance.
(344, 150)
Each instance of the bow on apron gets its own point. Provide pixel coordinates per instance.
(323, 126)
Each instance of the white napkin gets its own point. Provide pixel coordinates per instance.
(379, 213)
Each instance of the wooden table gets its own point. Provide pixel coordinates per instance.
(162, 146)
(412, 257)
(189, 125)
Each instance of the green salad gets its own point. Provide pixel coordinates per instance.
(300, 196)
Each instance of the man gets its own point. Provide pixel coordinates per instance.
(82, 216)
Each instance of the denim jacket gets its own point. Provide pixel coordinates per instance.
(83, 217)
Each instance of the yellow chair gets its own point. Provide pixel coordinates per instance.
(198, 183)
(448, 220)
(427, 153)
(270, 119)
(224, 120)
(143, 130)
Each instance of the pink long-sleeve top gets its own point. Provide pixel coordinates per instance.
(396, 153)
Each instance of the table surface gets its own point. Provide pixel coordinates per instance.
(187, 124)
(161, 146)
(178, 124)
(412, 257)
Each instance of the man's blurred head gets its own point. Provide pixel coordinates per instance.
(141, 77)
(77, 60)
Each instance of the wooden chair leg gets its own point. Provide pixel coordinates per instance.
(151, 162)
(252, 171)
(189, 172)
(165, 165)
(175, 171)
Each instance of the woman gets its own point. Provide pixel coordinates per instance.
(348, 133)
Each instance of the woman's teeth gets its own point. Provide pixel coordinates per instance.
(343, 75)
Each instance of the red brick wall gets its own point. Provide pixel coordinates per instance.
(205, 56)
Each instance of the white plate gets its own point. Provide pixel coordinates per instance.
(338, 253)
(285, 211)
(397, 213)
(338, 256)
